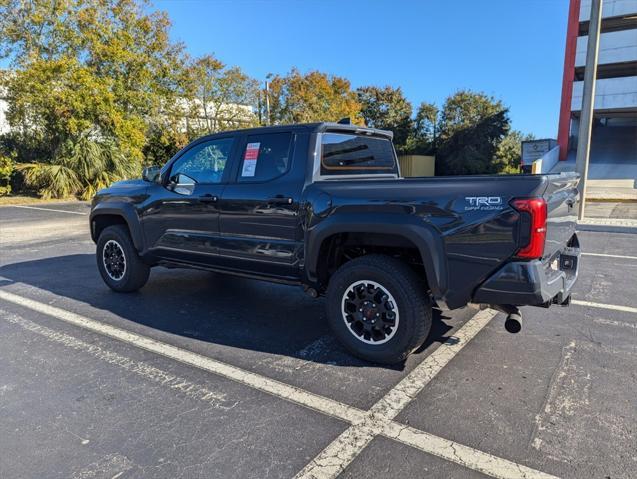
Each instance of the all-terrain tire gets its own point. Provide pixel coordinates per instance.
(381, 280)
(118, 262)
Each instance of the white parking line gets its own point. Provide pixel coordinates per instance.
(256, 381)
(216, 399)
(611, 322)
(365, 425)
(604, 255)
(614, 307)
(48, 209)
(460, 454)
(626, 223)
(337, 455)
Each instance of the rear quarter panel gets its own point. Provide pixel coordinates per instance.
(477, 237)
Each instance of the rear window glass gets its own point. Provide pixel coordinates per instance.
(265, 157)
(343, 154)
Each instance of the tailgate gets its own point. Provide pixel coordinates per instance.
(562, 201)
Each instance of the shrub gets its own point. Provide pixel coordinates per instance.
(82, 167)
(7, 167)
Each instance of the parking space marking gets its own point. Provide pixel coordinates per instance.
(276, 388)
(48, 209)
(569, 389)
(365, 425)
(406, 390)
(604, 255)
(614, 307)
(216, 399)
(342, 451)
(111, 465)
(612, 322)
(460, 454)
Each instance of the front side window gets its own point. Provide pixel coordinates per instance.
(265, 157)
(345, 154)
(204, 162)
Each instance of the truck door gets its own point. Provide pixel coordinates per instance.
(182, 221)
(259, 210)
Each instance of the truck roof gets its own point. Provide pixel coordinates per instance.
(319, 127)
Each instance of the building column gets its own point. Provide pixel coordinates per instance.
(568, 77)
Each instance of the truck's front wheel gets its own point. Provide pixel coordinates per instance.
(117, 260)
(378, 308)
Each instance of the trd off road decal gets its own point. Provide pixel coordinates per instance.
(483, 203)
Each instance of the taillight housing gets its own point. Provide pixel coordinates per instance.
(535, 208)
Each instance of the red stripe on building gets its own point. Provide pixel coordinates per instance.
(568, 77)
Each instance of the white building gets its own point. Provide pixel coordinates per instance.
(4, 106)
(213, 117)
(4, 124)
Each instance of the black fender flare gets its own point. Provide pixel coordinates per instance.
(127, 212)
(426, 237)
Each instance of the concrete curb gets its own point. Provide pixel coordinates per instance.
(609, 222)
(607, 225)
(611, 200)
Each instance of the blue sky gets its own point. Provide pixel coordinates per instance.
(511, 49)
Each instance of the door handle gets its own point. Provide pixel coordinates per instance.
(280, 200)
(208, 198)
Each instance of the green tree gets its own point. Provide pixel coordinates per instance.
(315, 96)
(509, 152)
(388, 109)
(104, 66)
(37, 29)
(53, 101)
(220, 98)
(163, 140)
(466, 109)
(472, 126)
(424, 134)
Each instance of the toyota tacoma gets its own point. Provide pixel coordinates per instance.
(324, 206)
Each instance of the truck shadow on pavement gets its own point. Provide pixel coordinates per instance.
(214, 308)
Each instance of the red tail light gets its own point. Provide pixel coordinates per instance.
(535, 208)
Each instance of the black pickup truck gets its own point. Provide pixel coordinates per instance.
(324, 206)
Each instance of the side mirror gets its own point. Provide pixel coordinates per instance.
(150, 173)
(182, 184)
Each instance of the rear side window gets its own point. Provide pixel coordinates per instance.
(265, 157)
(343, 154)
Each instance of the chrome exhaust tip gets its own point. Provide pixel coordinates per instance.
(513, 323)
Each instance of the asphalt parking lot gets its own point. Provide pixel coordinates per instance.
(200, 375)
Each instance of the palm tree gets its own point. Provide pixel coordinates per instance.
(81, 168)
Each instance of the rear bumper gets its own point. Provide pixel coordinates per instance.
(522, 283)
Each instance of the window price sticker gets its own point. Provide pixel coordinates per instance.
(250, 159)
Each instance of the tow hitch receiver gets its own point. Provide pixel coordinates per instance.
(568, 262)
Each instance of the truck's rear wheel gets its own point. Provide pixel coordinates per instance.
(117, 260)
(378, 308)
